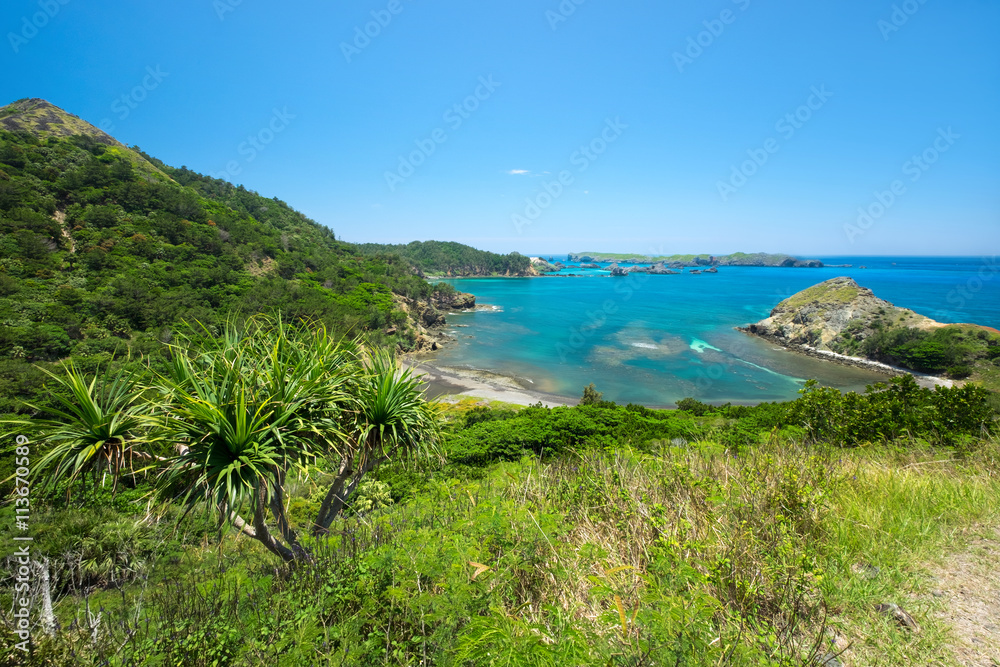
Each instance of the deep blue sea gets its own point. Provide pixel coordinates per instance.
(656, 339)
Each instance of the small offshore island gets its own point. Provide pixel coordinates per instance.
(842, 322)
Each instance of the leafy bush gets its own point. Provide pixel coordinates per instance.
(591, 395)
(886, 412)
(695, 407)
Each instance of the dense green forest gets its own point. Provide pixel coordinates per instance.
(454, 259)
(106, 251)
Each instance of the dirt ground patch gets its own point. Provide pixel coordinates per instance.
(968, 586)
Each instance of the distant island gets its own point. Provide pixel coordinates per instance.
(841, 321)
(681, 261)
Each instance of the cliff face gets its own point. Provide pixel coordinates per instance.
(824, 314)
(429, 317)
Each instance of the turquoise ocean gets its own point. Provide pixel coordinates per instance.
(656, 339)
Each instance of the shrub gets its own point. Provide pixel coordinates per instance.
(591, 395)
(959, 372)
(695, 407)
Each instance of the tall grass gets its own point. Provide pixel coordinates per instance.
(683, 555)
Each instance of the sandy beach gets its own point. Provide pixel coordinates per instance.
(443, 382)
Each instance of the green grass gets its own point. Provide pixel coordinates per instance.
(822, 293)
(685, 555)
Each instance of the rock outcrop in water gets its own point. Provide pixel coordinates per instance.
(454, 301)
(658, 269)
(821, 316)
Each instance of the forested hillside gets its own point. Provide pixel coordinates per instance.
(454, 259)
(104, 250)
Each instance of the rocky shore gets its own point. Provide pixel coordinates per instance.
(429, 319)
(833, 317)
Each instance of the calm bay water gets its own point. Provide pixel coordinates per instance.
(656, 339)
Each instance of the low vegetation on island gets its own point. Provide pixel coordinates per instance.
(840, 316)
(679, 261)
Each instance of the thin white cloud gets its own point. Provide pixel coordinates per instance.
(518, 172)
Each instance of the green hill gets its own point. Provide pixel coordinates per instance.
(840, 316)
(453, 259)
(105, 250)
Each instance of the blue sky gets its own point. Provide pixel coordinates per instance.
(826, 127)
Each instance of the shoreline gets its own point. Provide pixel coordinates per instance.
(447, 382)
(443, 381)
(923, 379)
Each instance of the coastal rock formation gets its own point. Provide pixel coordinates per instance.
(822, 315)
(428, 318)
(540, 266)
(454, 301)
(660, 269)
(840, 321)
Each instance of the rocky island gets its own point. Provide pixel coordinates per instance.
(841, 321)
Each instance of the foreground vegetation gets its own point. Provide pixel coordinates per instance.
(601, 534)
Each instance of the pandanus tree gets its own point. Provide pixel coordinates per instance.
(96, 428)
(389, 417)
(263, 401)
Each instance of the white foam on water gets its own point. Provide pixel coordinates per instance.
(699, 346)
(647, 346)
(768, 370)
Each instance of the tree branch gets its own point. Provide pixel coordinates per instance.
(262, 534)
(336, 498)
(278, 510)
(326, 512)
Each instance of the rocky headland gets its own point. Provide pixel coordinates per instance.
(838, 320)
(821, 316)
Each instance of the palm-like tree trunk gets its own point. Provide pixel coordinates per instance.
(277, 506)
(347, 480)
(262, 534)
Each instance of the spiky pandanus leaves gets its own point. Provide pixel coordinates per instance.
(243, 410)
(393, 417)
(102, 426)
(390, 419)
(247, 408)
